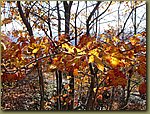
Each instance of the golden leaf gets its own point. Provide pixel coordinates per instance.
(134, 40)
(69, 48)
(115, 39)
(94, 52)
(94, 89)
(91, 59)
(100, 66)
(68, 77)
(35, 50)
(30, 48)
(99, 63)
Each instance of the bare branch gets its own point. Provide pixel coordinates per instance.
(24, 19)
(101, 13)
(128, 19)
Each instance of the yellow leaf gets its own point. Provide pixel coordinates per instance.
(94, 52)
(115, 39)
(89, 44)
(100, 66)
(91, 59)
(107, 40)
(30, 48)
(134, 40)
(94, 89)
(69, 48)
(43, 46)
(35, 50)
(99, 63)
(68, 77)
(114, 61)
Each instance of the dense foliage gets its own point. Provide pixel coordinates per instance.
(97, 73)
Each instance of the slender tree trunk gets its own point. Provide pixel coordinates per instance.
(135, 19)
(49, 21)
(59, 73)
(67, 8)
(24, 19)
(57, 82)
(76, 24)
(71, 84)
(90, 17)
(41, 84)
(96, 27)
(59, 19)
(91, 92)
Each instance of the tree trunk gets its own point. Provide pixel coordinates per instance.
(67, 8)
(41, 84)
(91, 93)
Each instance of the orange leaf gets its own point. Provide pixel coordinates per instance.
(116, 77)
(142, 88)
(99, 97)
(75, 72)
(134, 40)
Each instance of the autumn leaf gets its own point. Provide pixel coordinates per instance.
(68, 77)
(85, 79)
(94, 89)
(142, 88)
(91, 59)
(68, 47)
(52, 68)
(75, 72)
(89, 45)
(100, 66)
(35, 50)
(66, 86)
(115, 77)
(94, 52)
(115, 39)
(64, 37)
(99, 97)
(114, 61)
(134, 40)
(142, 69)
(99, 63)
(7, 21)
(30, 49)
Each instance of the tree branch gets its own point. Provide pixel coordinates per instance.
(24, 19)
(90, 16)
(101, 13)
(128, 19)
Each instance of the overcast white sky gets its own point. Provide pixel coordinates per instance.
(109, 18)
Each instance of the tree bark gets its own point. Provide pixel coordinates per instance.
(41, 84)
(90, 16)
(91, 93)
(59, 19)
(67, 8)
(24, 19)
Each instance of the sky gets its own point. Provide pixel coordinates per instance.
(108, 20)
